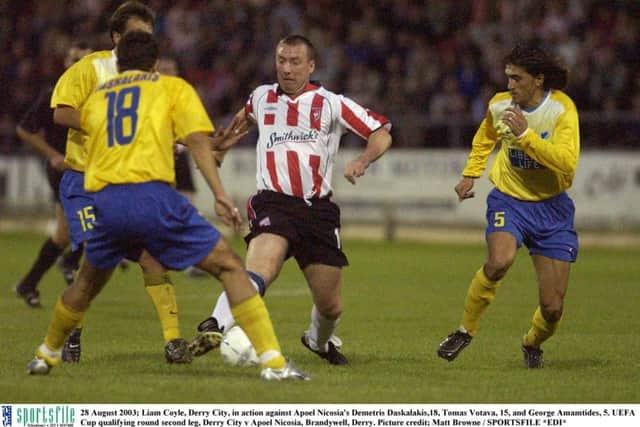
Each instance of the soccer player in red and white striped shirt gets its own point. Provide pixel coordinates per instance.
(300, 125)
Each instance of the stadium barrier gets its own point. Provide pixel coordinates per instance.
(405, 187)
(416, 187)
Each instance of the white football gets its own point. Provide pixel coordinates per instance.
(38, 366)
(236, 349)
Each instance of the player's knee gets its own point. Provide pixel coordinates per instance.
(329, 309)
(231, 261)
(497, 266)
(551, 311)
(333, 311)
(79, 295)
(221, 260)
(269, 273)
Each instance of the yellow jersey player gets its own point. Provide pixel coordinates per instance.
(69, 96)
(39, 131)
(132, 122)
(537, 126)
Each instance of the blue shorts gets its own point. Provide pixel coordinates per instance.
(151, 216)
(545, 227)
(78, 207)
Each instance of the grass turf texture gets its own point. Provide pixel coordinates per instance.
(401, 300)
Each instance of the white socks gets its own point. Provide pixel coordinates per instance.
(222, 310)
(320, 330)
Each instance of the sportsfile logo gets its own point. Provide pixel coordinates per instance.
(42, 416)
(6, 415)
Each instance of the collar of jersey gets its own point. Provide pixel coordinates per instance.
(544, 98)
(136, 70)
(308, 88)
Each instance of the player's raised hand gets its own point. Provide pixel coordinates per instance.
(229, 213)
(224, 138)
(515, 119)
(355, 169)
(239, 125)
(463, 189)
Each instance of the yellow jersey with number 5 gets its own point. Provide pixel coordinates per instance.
(539, 165)
(132, 122)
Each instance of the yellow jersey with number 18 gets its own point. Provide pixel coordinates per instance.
(74, 87)
(132, 122)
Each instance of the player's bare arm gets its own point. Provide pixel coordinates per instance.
(200, 147)
(37, 141)
(227, 137)
(67, 116)
(463, 189)
(377, 144)
(218, 156)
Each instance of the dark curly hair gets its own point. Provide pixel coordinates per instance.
(536, 61)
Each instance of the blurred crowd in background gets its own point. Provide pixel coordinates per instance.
(429, 65)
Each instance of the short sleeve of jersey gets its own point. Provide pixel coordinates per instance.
(75, 85)
(358, 119)
(248, 108)
(251, 106)
(189, 115)
(35, 118)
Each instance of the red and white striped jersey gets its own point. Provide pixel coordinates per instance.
(298, 139)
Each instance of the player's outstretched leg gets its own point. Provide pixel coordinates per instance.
(49, 353)
(211, 329)
(67, 315)
(250, 312)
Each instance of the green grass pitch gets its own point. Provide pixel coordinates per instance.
(401, 299)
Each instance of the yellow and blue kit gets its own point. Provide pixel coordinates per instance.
(131, 122)
(531, 174)
(72, 90)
